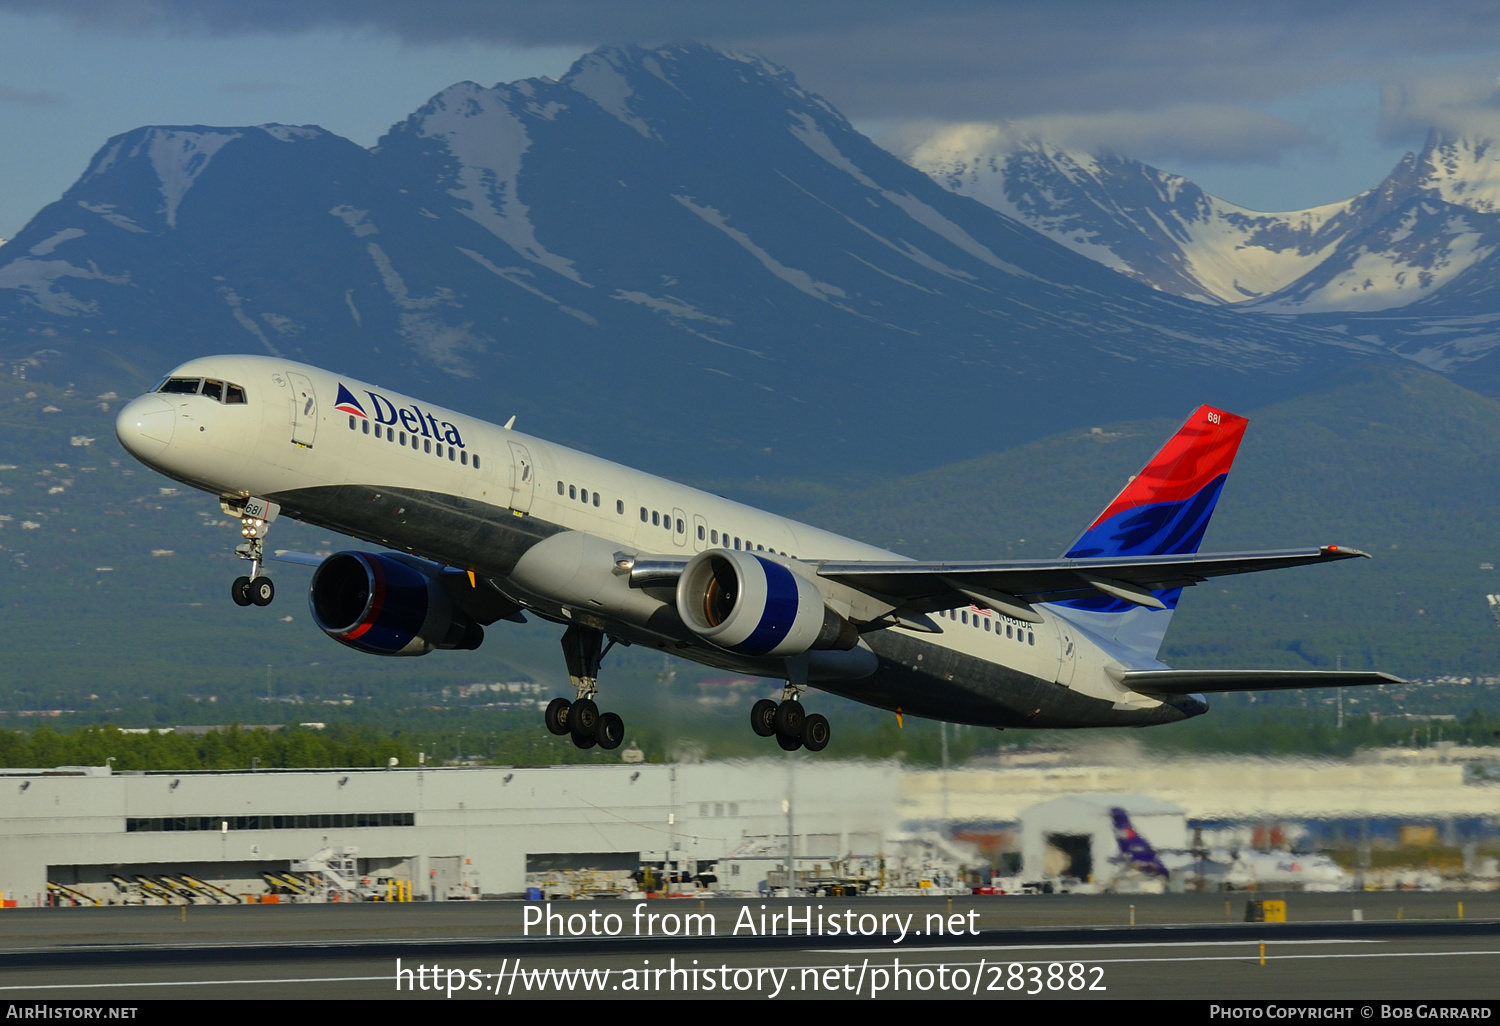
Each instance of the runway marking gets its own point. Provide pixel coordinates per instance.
(1246, 957)
(195, 983)
(1089, 947)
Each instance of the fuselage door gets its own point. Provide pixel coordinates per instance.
(700, 533)
(304, 410)
(522, 478)
(1067, 652)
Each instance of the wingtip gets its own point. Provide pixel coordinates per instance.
(1344, 552)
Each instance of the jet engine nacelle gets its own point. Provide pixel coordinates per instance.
(746, 603)
(388, 604)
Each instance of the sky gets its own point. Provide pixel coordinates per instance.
(1274, 106)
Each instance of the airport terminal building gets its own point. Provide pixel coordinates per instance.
(450, 831)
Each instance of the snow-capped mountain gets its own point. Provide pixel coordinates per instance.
(1430, 229)
(675, 250)
(1436, 216)
(1149, 225)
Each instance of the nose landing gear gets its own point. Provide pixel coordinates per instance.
(584, 649)
(255, 518)
(789, 723)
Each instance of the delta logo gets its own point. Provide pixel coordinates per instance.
(411, 418)
(348, 404)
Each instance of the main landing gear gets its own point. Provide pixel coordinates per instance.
(789, 723)
(584, 649)
(254, 589)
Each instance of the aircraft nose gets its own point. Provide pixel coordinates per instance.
(144, 426)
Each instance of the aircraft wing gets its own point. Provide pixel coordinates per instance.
(1188, 682)
(1011, 587)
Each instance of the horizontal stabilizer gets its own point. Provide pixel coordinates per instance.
(1188, 682)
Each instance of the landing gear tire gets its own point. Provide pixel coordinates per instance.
(763, 717)
(584, 718)
(610, 731)
(815, 732)
(789, 719)
(240, 591)
(788, 744)
(559, 711)
(583, 722)
(262, 591)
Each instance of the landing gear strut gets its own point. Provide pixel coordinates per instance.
(789, 723)
(255, 523)
(584, 649)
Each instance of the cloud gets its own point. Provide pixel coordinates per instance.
(23, 98)
(940, 60)
(1458, 100)
(1196, 133)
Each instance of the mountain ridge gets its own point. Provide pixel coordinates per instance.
(674, 230)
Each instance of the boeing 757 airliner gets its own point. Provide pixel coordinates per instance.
(480, 523)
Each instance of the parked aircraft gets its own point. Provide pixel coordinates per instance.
(483, 523)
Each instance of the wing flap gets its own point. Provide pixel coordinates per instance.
(1188, 682)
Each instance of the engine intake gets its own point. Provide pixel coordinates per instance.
(387, 604)
(746, 603)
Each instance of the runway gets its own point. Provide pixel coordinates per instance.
(1403, 946)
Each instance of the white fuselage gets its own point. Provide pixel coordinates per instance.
(543, 521)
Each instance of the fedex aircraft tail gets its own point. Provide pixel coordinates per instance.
(1134, 849)
(1163, 510)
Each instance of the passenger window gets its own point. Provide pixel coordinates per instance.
(666, 521)
(451, 455)
(440, 450)
(713, 537)
(426, 445)
(214, 390)
(701, 533)
(1030, 638)
(476, 461)
(559, 488)
(987, 625)
(402, 437)
(572, 492)
(736, 543)
(596, 500)
(583, 495)
(964, 616)
(680, 526)
(655, 518)
(643, 514)
(234, 394)
(620, 506)
(463, 457)
(364, 426)
(351, 422)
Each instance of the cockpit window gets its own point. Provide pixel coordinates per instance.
(219, 391)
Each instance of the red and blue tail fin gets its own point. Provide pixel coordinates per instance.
(1163, 510)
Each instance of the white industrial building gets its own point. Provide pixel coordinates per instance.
(446, 830)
